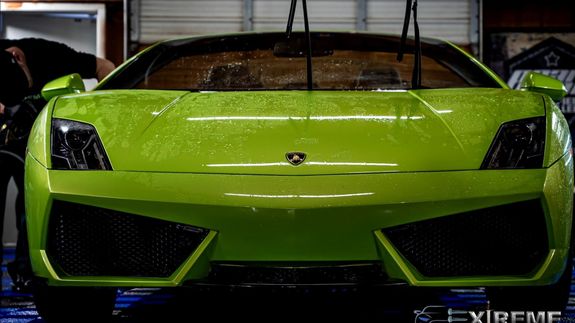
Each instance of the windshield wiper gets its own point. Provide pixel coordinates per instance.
(411, 5)
(307, 36)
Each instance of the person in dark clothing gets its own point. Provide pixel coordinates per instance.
(26, 65)
(13, 136)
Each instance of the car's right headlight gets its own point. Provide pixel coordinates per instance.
(76, 145)
(518, 144)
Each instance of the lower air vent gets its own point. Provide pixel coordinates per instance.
(504, 240)
(90, 241)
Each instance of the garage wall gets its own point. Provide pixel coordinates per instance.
(324, 14)
(109, 14)
(158, 20)
(172, 18)
(446, 19)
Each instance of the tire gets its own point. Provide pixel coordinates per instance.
(74, 304)
(538, 298)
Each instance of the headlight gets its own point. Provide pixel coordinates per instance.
(75, 145)
(518, 144)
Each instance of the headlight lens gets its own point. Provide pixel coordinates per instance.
(518, 144)
(76, 145)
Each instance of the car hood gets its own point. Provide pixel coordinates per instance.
(341, 132)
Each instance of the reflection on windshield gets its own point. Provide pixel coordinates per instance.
(261, 70)
(341, 61)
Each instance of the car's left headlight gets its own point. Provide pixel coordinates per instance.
(518, 144)
(76, 145)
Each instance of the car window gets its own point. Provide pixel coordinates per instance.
(261, 70)
(341, 61)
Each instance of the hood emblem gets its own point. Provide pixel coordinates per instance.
(295, 158)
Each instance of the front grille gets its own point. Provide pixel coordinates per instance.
(90, 241)
(294, 274)
(503, 240)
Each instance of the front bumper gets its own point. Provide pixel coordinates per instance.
(300, 219)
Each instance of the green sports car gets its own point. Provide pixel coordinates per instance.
(208, 160)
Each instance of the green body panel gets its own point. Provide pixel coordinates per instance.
(39, 141)
(484, 67)
(558, 141)
(342, 132)
(547, 85)
(64, 85)
(277, 218)
(375, 160)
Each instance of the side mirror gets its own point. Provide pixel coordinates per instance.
(540, 83)
(64, 85)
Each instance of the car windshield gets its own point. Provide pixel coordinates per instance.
(270, 61)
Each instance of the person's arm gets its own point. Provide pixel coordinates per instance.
(64, 60)
(103, 68)
(1, 109)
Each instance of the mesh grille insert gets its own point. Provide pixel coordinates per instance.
(296, 274)
(90, 241)
(503, 240)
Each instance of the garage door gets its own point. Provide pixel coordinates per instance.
(165, 19)
(449, 19)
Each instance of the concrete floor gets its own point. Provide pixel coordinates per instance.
(163, 305)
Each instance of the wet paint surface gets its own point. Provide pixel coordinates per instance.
(341, 132)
